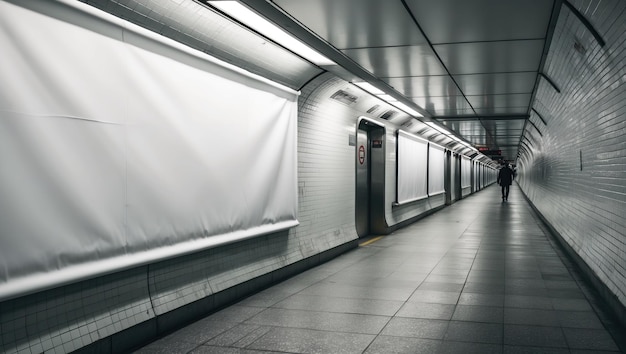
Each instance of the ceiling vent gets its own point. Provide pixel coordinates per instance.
(373, 109)
(344, 97)
(390, 113)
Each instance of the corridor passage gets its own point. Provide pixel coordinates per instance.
(480, 276)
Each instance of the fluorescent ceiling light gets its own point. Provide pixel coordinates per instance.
(249, 18)
(370, 88)
(438, 128)
(387, 98)
(449, 134)
(406, 108)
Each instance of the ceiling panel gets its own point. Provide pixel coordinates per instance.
(397, 61)
(502, 83)
(356, 23)
(447, 21)
(491, 57)
(491, 111)
(424, 86)
(469, 128)
(500, 101)
(445, 106)
(505, 127)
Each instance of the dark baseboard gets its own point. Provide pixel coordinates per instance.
(155, 328)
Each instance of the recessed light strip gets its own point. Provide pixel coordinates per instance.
(251, 19)
(373, 90)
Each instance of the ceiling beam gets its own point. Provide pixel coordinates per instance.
(585, 22)
(556, 9)
(509, 117)
(540, 117)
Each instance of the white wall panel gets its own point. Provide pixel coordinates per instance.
(412, 168)
(326, 168)
(110, 154)
(466, 174)
(436, 160)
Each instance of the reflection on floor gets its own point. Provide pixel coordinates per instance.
(480, 276)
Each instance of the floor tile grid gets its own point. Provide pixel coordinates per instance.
(580, 331)
(430, 318)
(320, 334)
(608, 321)
(446, 311)
(198, 336)
(280, 325)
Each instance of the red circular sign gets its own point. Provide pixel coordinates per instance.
(361, 154)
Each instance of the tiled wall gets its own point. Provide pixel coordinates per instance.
(576, 174)
(326, 176)
(71, 317)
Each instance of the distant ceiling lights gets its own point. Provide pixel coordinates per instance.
(257, 23)
(438, 128)
(449, 134)
(366, 86)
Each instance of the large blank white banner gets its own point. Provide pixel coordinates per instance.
(412, 172)
(466, 177)
(120, 148)
(436, 166)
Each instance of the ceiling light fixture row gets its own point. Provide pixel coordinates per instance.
(257, 23)
(375, 91)
(262, 26)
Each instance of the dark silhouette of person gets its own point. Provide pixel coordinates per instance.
(505, 179)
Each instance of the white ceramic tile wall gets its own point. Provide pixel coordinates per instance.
(325, 168)
(70, 317)
(577, 174)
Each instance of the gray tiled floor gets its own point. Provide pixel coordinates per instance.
(477, 277)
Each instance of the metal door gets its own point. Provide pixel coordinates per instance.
(362, 184)
(370, 178)
(447, 181)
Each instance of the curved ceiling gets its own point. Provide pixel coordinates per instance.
(471, 65)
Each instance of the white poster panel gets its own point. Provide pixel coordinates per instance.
(466, 177)
(412, 172)
(436, 169)
(120, 148)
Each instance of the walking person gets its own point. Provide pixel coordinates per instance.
(505, 179)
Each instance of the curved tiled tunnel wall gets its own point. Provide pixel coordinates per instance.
(576, 177)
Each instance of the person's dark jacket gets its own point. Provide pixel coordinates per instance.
(505, 176)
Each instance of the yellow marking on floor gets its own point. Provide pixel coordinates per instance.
(370, 241)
